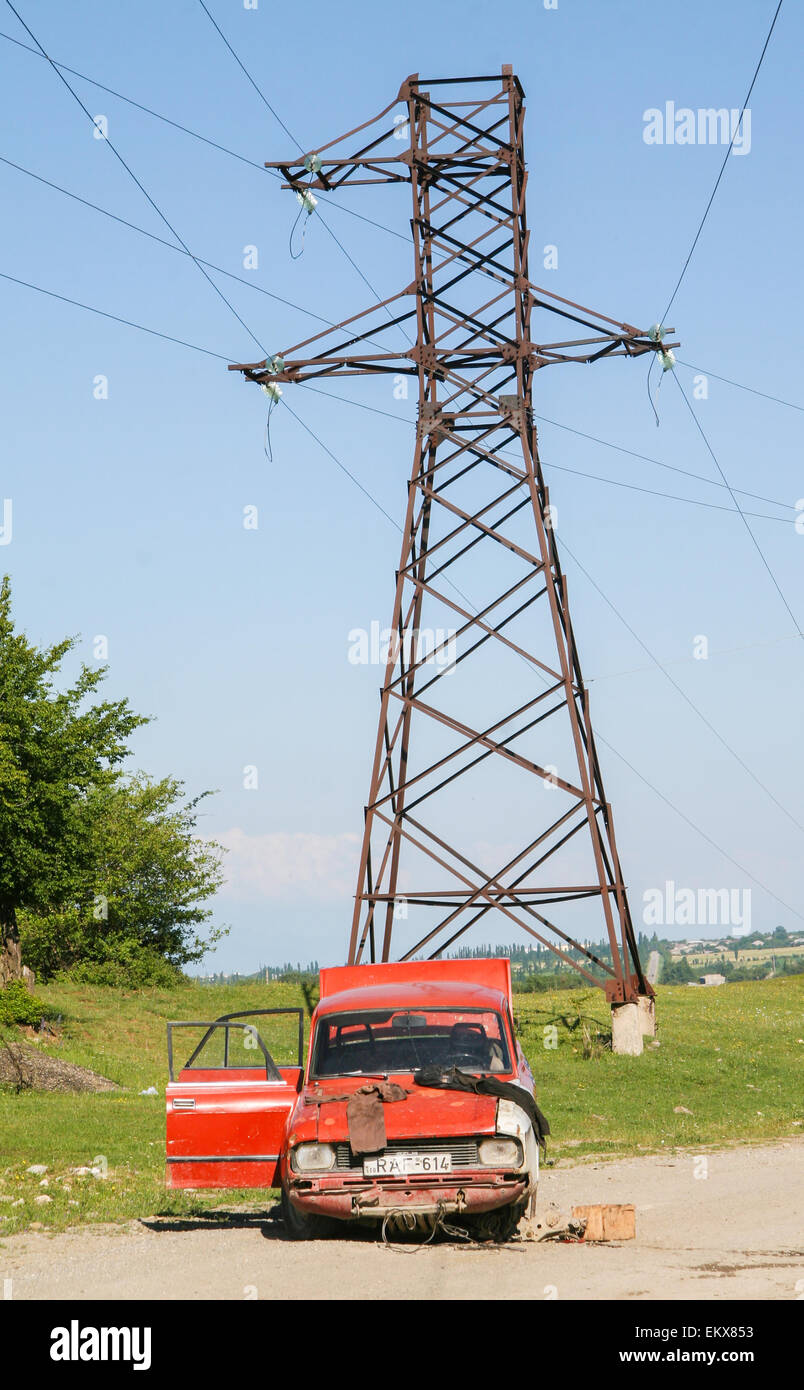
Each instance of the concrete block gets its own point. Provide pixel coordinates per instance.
(626, 1030)
(647, 1015)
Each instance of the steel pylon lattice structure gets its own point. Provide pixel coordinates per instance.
(452, 738)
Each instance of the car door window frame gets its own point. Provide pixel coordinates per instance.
(227, 1021)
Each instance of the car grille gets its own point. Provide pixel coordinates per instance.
(462, 1151)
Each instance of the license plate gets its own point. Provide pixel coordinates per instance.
(401, 1165)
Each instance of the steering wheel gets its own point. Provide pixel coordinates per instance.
(472, 1041)
(466, 1059)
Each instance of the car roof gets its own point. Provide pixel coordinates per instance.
(421, 994)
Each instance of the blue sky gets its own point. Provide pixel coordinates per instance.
(128, 511)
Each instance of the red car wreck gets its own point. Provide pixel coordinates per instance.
(416, 1103)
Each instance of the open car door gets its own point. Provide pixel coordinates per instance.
(229, 1104)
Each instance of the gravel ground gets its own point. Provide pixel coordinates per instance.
(24, 1066)
(735, 1233)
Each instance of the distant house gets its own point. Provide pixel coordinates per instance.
(712, 980)
(757, 943)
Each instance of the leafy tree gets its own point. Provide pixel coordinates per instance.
(97, 869)
(151, 875)
(57, 752)
(678, 972)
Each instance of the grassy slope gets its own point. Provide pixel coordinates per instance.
(732, 1056)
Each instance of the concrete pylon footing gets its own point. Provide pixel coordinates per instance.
(647, 1015)
(626, 1030)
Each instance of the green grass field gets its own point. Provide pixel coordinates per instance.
(732, 1056)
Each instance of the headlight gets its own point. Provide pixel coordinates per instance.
(512, 1119)
(307, 1158)
(500, 1153)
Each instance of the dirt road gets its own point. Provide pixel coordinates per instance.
(734, 1233)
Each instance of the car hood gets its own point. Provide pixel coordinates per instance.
(425, 1113)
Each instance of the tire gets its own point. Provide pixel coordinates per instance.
(496, 1226)
(299, 1226)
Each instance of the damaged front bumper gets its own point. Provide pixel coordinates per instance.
(360, 1198)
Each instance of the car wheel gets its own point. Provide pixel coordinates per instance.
(496, 1226)
(299, 1226)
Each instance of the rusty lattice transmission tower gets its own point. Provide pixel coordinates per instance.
(454, 743)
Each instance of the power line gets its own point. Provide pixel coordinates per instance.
(194, 134)
(292, 137)
(754, 540)
(683, 660)
(340, 207)
(723, 165)
(251, 284)
(679, 688)
(342, 466)
(595, 477)
(359, 405)
(351, 212)
(90, 308)
(702, 222)
(741, 386)
(208, 352)
(698, 830)
(180, 250)
(133, 176)
(247, 74)
(599, 737)
(129, 323)
(610, 746)
(688, 404)
(669, 496)
(614, 482)
(171, 246)
(363, 277)
(672, 467)
(175, 234)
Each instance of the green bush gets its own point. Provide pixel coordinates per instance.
(130, 967)
(52, 941)
(64, 945)
(18, 1006)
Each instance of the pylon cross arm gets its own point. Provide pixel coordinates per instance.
(444, 360)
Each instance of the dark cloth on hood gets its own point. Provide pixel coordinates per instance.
(364, 1114)
(453, 1079)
